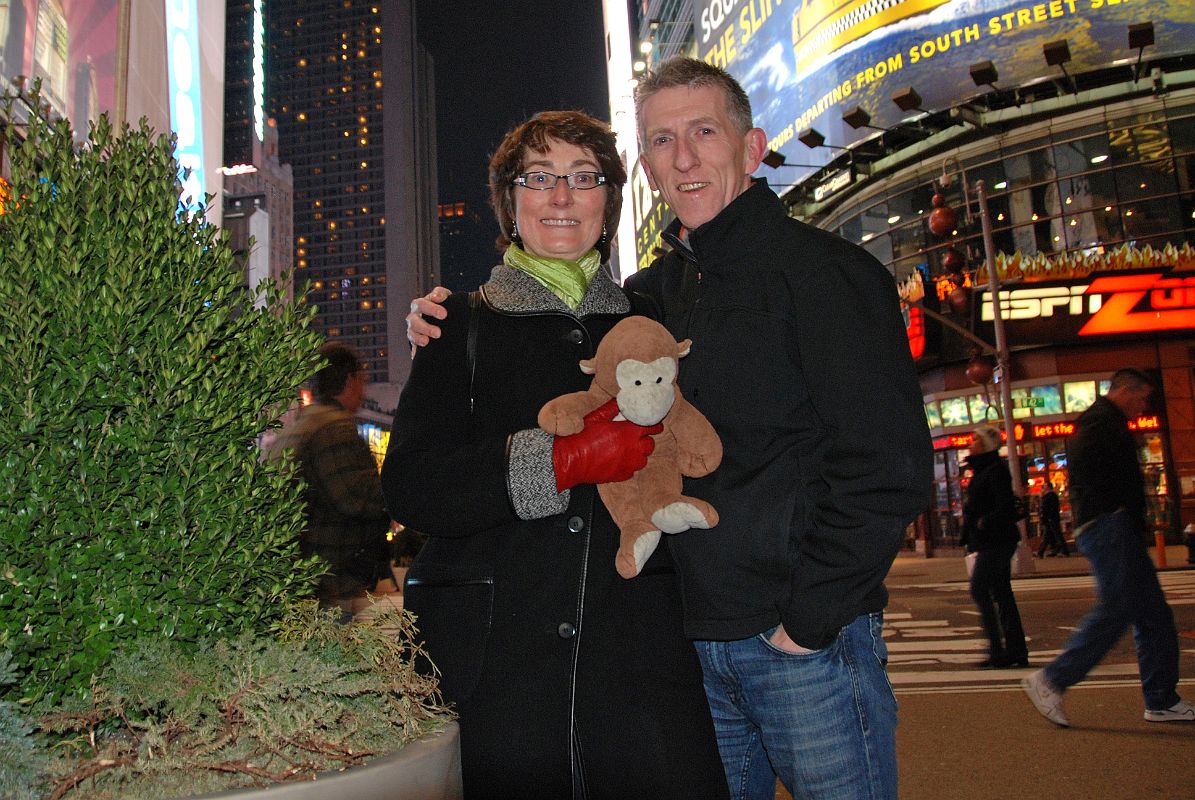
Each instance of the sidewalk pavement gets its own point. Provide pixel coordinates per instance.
(947, 565)
(989, 743)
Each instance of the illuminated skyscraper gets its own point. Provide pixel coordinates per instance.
(351, 91)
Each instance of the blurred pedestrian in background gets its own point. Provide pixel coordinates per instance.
(1050, 518)
(346, 517)
(570, 681)
(1107, 493)
(990, 531)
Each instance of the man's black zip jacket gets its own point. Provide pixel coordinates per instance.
(801, 362)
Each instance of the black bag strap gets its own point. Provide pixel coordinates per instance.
(476, 301)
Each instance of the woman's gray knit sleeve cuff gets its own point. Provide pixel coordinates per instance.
(530, 477)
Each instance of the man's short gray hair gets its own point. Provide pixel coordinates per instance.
(690, 72)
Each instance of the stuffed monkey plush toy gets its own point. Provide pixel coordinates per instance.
(635, 367)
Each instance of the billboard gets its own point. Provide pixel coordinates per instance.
(804, 62)
(70, 45)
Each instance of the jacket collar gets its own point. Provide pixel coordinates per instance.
(515, 292)
(738, 229)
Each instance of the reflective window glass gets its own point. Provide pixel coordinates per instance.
(1081, 155)
(1133, 143)
(1139, 181)
(1182, 135)
(1150, 218)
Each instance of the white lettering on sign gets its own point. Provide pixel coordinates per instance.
(1046, 301)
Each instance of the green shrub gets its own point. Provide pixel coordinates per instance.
(135, 376)
(249, 711)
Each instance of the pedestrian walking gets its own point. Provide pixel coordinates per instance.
(1108, 496)
(990, 531)
(1050, 516)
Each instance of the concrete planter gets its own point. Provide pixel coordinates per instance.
(426, 769)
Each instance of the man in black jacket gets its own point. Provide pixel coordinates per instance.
(1108, 497)
(801, 361)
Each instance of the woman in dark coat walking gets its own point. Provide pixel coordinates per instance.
(570, 681)
(990, 531)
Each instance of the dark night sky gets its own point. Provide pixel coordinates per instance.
(496, 64)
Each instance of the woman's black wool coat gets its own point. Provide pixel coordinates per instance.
(570, 681)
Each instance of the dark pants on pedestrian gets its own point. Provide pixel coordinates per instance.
(1051, 537)
(1128, 594)
(991, 589)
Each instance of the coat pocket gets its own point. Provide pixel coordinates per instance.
(453, 614)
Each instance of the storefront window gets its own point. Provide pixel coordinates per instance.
(1081, 155)
(1140, 181)
(1078, 395)
(981, 409)
(932, 417)
(1049, 398)
(954, 411)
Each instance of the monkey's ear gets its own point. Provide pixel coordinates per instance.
(682, 347)
(589, 366)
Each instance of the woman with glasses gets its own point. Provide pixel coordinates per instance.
(570, 681)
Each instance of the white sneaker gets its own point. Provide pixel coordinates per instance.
(1179, 712)
(1047, 700)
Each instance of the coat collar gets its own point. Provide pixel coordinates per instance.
(738, 229)
(516, 292)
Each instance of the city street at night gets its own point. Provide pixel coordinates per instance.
(971, 733)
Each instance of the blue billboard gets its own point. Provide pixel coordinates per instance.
(804, 63)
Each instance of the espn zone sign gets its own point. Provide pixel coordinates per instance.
(1142, 301)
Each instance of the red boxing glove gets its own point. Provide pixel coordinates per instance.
(604, 452)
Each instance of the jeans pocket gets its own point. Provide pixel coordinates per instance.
(878, 645)
(766, 639)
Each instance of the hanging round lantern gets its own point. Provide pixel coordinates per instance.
(953, 262)
(942, 219)
(959, 300)
(980, 370)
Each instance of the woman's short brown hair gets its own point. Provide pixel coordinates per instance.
(571, 127)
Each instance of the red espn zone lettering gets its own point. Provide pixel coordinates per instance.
(1171, 304)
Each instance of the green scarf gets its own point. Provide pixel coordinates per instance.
(566, 279)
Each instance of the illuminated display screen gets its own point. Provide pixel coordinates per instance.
(186, 104)
(932, 417)
(804, 64)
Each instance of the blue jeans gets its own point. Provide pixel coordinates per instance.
(1128, 594)
(823, 722)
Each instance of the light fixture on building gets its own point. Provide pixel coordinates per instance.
(984, 73)
(907, 99)
(777, 160)
(1057, 53)
(857, 118)
(1141, 36)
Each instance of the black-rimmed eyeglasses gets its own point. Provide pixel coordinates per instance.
(542, 181)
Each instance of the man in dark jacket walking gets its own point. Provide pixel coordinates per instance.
(346, 516)
(1108, 497)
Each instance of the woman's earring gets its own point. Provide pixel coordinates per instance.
(514, 230)
(603, 239)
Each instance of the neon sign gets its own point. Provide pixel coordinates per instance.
(1140, 302)
(186, 102)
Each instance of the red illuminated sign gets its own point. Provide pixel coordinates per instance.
(915, 328)
(1151, 423)
(1053, 429)
(1169, 304)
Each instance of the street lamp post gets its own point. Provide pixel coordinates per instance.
(1024, 559)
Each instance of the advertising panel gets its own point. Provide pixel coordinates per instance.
(805, 62)
(70, 45)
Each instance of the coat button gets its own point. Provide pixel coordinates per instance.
(575, 336)
(566, 630)
(576, 524)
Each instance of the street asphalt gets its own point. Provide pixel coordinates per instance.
(989, 743)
